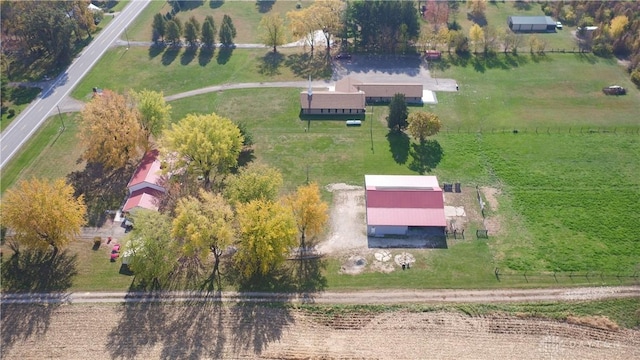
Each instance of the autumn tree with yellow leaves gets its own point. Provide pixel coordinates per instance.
(43, 214)
(423, 124)
(309, 211)
(110, 131)
(207, 145)
(255, 182)
(267, 231)
(204, 225)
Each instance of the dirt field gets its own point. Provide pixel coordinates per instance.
(253, 331)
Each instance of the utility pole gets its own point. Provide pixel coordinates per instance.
(127, 36)
(61, 119)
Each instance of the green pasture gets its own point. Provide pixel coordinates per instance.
(50, 153)
(176, 71)
(555, 92)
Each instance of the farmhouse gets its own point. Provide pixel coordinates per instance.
(401, 204)
(144, 187)
(531, 24)
(350, 96)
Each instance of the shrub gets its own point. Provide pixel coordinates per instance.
(635, 77)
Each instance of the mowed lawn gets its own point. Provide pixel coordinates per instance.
(245, 15)
(567, 199)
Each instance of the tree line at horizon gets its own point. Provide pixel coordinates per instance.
(214, 206)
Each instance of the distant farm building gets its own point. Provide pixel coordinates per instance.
(350, 96)
(531, 24)
(432, 55)
(144, 187)
(398, 204)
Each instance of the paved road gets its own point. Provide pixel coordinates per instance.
(354, 297)
(22, 128)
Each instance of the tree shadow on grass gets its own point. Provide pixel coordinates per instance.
(224, 54)
(102, 190)
(399, 146)
(307, 276)
(170, 54)
(36, 271)
(426, 156)
(188, 55)
(270, 63)
(264, 6)
(156, 49)
(214, 4)
(479, 19)
(318, 66)
(205, 55)
(33, 271)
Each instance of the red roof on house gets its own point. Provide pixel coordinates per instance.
(148, 171)
(404, 200)
(146, 198)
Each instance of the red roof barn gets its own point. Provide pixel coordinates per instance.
(398, 203)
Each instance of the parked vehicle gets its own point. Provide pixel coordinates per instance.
(614, 90)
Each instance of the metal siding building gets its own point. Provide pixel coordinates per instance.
(531, 24)
(397, 202)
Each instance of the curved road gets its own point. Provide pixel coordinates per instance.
(23, 127)
(353, 297)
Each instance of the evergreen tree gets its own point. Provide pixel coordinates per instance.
(227, 31)
(398, 113)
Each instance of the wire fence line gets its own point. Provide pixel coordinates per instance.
(592, 277)
(541, 130)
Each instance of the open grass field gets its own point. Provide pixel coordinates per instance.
(246, 16)
(173, 72)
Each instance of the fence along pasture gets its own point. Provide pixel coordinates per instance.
(582, 130)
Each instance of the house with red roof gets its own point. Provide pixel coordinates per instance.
(399, 204)
(144, 187)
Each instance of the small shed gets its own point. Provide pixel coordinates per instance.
(432, 55)
(531, 24)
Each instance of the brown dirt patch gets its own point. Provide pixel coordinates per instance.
(490, 194)
(246, 331)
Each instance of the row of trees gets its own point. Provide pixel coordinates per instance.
(174, 30)
(245, 219)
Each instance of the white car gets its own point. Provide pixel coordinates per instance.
(558, 25)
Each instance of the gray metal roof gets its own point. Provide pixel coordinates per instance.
(534, 20)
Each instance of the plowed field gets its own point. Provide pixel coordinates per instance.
(256, 331)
